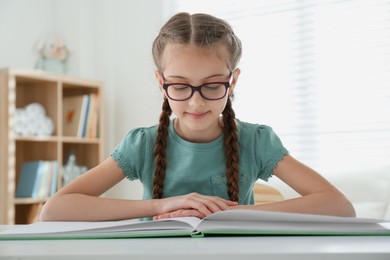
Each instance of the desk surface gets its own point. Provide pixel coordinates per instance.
(237, 248)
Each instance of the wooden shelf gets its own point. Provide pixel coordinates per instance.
(36, 138)
(27, 201)
(18, 88)
(78, 140)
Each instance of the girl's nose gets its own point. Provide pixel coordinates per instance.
(197, 99)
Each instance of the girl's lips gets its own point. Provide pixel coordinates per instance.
(197, 115)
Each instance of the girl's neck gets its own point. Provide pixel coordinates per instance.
(202, 136)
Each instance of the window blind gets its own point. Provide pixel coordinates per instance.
(317, 71)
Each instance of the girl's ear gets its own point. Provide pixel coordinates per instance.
(160, 80)
(235, 76)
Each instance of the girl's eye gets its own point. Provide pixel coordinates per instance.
(212, 87)
(180, 87)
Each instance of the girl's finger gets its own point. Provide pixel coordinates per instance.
(180, 213)
(215, 204)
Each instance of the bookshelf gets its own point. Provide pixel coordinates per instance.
(18, 88)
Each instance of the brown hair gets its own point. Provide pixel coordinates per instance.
(201, 30)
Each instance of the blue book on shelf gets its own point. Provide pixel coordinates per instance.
(28, 179)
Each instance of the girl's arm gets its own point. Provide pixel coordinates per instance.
(318, 195)
(80, 201)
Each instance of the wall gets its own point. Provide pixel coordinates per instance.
(109, 41)
(21, 24)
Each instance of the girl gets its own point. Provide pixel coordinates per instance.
(204, 160)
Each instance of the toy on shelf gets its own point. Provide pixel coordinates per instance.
(53, 54)
(33, 121)
(71, 170)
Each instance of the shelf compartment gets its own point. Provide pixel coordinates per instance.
(34, 151)
(87, 154)
(31, 90)
(27, 213)
(69, 89)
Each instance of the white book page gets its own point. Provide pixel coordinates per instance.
(256, 215)
(90, 228)
(252, 220)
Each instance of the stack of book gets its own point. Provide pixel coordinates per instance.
(37, 179)
(81, 115)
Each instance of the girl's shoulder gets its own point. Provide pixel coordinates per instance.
(248, 128)
(140, 135)
(140, 131)
(263, 135)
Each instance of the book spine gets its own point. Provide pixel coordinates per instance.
(53, 187)
(84, 109)
(37, 182)
(86, 117)
(197, 234)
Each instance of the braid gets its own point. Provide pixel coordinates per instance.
(231, 151)
(160, 151)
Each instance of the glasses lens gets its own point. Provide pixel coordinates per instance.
(213, 91)
(179, 92)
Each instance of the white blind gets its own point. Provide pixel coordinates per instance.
(317, 71)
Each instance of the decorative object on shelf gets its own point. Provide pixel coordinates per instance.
(32, 120)
(53, 54)
(71, 170)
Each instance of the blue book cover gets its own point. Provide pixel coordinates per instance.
(28, 178)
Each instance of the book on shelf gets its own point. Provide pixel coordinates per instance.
(81, 115)
(37, 179)
(28, 178)
(72, 110)
(231, 222)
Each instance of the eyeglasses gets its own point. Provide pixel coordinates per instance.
(208, 91)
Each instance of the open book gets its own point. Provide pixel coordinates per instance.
(233, 222)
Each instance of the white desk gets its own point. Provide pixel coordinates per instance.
(237, 248)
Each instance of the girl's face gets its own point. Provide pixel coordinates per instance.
(198, 119)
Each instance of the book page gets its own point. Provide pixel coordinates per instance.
(106, 228)
(257, 215)
(253, 221)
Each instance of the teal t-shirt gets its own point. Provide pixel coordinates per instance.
(200, 167)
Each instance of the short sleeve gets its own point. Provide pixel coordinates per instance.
(269, 151)
(130, 153)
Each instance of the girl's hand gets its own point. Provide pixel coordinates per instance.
(193, 204)
(181, 213)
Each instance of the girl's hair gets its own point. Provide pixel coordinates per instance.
(204, 31)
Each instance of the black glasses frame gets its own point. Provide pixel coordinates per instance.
(196, 88)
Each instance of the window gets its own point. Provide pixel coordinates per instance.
(317, 71)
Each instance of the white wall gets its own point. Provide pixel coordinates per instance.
(109, 41)
(21, 24)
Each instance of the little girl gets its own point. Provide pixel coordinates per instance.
(204, 160)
